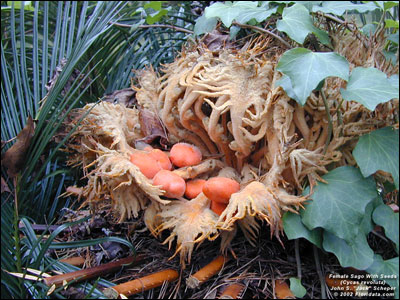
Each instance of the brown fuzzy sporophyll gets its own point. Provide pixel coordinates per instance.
(226, 109)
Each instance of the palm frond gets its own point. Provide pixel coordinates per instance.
(56, 57)
(10, 286)
(54, 108)
(33, 44)
(134, 47)
(35, 258)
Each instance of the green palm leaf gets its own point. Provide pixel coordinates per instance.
(33, 44)
(97, 56)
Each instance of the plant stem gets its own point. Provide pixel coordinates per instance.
(319, 272)
(330, 126)
(381, 24)
(347, 24)
(40, 227)
(339, 115)
(338, 109)
(297, 254)
(156, 26)
(76, 261)
(262, 30)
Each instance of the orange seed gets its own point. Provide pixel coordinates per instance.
(220, 189)
(194, 187)
(183, 155)
(171, 183)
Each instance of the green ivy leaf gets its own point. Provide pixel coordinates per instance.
(154, 18)
(380, 4)
(295, 229)
(280, 9)
(369, 29)
(379, 150)
(17, 5)
(394, 80)
(297, 288)
(339, 205)
(228, 11)
(323, 36)
(390, 56)
(387, 270)
(389, 23)
(355, 253)
(156, 5)
(367, 225)
(233, 31)
(306, 69)
(204, 25)
(369, 86)
(384, 216)
(340, 7)
(394, 37)
(286, 84)
(389, 4)
(257, 13)
(306, 4)
(297, 24)
(309, 4)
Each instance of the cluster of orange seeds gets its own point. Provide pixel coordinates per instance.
(157, 165)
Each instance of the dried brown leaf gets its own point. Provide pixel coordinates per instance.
(55, 75)
(14, 158)
(152, 128)
(124, 97)
(4, 186)
(216, 41)
(76, 75)
(74, 190)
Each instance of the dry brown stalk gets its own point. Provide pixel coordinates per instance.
(76, 261)
(262, 30)
(156, 26)
(89, 273)
(141, 284)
